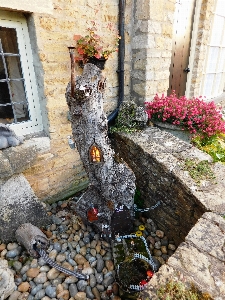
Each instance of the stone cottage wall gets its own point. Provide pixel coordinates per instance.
(61, 171)
(58, 171)
(148, 32)
(151, 46)
(157, 158)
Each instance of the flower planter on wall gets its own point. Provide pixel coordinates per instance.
(175, 130)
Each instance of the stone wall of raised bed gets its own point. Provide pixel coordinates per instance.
(157, 159)
(199, 260)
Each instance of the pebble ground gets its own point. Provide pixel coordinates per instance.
(77, 247)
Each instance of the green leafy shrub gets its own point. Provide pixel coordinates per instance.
(125, 121)
(176, 290)
(213, 145)
(199, 170)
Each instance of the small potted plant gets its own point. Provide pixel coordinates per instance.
(92, 48)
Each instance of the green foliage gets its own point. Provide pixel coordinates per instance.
(199, 171)
(137, 199)
(125, 121)
(176, 290)
(213, 145)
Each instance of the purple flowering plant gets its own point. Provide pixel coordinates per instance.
(200, 118)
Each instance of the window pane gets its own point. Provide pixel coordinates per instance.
(13, 67)
(217, 31)
(220, 9)
(212, 59)
(17, 91)
(9, 40)
(6, 114)
(14, 106)
(4, 93)
(221, 64)
(2, 70)
(217, 89)
(21, 112)
(208, 85)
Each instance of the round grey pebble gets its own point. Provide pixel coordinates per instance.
(17, 265)
(52, 227)
(157, 245)
(40, 294)
(44, 269)
(81, 285)
(92, 280)
(50, 291)
(99, 277)
(56, 220)
(164, 241)
(86, 240)
(30, 297)
(107, 256)
(13, 253)
(65, 236)
(100, 287)
(107, 281)
(41, 278)
(72, 262)
(100, 265)
(41, 262)
(92, 259)
(18, 280)
(89, 292)
(24, 277)
(64, 247)
(57, 246)
(73, 289)
(36, 289)
(81, 243)
(78, 248)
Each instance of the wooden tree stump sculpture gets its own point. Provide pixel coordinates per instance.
(111, 183)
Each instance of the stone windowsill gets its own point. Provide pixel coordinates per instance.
(14, 160)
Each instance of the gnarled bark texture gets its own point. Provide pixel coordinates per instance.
(111, 183)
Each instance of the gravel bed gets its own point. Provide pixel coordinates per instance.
(77, 247)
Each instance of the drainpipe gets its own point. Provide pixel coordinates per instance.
(120, 71)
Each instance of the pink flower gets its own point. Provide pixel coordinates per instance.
(194, 114)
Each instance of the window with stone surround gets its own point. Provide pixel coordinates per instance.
(214, 75)
(19, 101)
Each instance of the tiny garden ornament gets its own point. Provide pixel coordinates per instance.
(8, 138)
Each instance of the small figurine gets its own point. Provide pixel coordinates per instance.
(117, 237)
(92, 214)
(149, 274)
(143, 282)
